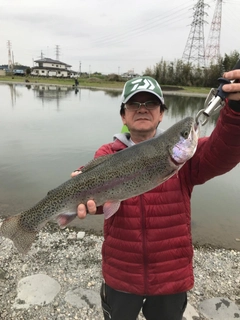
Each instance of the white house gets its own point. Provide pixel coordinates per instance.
(52, 68)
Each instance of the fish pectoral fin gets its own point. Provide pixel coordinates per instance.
(109, 208)
(63, 219)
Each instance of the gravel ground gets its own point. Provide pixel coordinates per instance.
(75, 262)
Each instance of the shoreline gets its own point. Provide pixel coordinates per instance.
(165, 92)
(95, 227)
(73, 260)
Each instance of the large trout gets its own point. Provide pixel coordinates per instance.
(108, 180)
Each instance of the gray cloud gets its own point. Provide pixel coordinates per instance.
(106, 34)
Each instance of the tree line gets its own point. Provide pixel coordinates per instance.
(179, 73)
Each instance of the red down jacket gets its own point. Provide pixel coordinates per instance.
(147, 247)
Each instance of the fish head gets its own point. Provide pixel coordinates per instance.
(186, 140)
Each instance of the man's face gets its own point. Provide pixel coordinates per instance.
(142, 120)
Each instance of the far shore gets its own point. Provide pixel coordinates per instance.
(103, 85)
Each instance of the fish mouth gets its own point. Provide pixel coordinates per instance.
(176, 163)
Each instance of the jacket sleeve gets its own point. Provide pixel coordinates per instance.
(103, 150)
(220, 152)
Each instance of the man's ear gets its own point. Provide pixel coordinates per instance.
(160, 116)
(123, 119)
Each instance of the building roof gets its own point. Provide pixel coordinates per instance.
(49, 60)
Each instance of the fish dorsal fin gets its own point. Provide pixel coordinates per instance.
(95, 162)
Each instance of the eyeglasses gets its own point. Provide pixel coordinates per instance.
(134, 106)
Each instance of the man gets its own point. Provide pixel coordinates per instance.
(147, 251)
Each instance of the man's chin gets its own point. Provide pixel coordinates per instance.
(142, 123)
(142, 128)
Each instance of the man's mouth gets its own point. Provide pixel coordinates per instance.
(137, 119)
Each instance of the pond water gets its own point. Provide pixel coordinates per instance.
(46, 132)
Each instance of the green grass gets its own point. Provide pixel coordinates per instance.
(94, 82)
(196, 90)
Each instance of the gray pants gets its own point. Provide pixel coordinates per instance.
(119, 305)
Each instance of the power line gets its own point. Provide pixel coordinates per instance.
(171, 17)
(152, 23)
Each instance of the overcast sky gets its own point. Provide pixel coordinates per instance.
(108, 36)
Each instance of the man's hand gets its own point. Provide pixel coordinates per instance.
(233, 87)
(82, 210)
(75, 173)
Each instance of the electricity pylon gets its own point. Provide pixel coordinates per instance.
(10, 63)
(212, 52)
(195, 50)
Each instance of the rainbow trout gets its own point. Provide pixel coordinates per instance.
(108, 180)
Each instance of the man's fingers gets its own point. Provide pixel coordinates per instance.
(91, 207)
(81, 211)
(233, 87)
(75, 173)
(232, 75)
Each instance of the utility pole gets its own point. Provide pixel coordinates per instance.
(10, 64)
(80, 67)
(194, 50)
(57, 52)
(213, 43)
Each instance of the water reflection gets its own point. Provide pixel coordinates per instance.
(51, 93)
(186, 106)
(183, 105)
(178, 106)
(14, 93)
(113, 93)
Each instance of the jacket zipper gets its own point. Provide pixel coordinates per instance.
(143, 223)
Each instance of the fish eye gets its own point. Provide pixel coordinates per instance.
(185, 134)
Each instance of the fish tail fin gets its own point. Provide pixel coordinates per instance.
(21, 238)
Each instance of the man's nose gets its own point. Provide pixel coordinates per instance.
(142, 107)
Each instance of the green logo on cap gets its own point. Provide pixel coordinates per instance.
(147, 84)
(141, 84)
